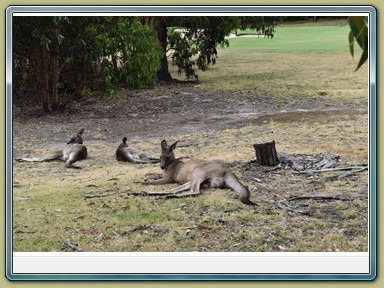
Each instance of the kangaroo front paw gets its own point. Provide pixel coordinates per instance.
(248, 202)
(145, 182)
(74, 167)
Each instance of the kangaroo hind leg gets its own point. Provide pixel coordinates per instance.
(193, 187)
(173, 191)
(72, 159)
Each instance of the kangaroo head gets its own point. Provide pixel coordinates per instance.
(167, 156)
(81, 131)
(125, 141)
(77, 139)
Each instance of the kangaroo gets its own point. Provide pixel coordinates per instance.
(77, 138)
(130, 154)
(195, 174)
(74, 151)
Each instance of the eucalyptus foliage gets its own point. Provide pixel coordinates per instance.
(359, 32)
(56, 59)
(192, 40)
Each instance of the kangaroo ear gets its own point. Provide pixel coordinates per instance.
(164, 145)
(173, 146)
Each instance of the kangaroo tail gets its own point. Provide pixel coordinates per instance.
(154, 159)
(234, 184)
(28, 159)
(56, 155)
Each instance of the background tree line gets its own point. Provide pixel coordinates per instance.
(57, 59)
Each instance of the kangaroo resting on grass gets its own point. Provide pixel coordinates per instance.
(195, 174)
(74, 151)
(130, 154)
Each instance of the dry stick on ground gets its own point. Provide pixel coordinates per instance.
(290, 162)
(137, 228)
(319, 197)
(337, 177)
(273, 169)
(305, 212)
(332, 169)
(93, 195)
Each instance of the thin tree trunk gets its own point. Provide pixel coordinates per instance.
(45, 80)
(55, 76)
(161, 30)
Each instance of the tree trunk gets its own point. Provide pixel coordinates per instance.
(55, 76)
(161, 31)
(266, 154)
(44, 81)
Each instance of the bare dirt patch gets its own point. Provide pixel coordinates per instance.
(173, 109)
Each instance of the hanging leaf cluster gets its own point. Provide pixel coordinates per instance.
(359, 32)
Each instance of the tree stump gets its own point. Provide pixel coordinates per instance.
(266, 154)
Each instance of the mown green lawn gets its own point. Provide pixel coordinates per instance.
(331, 39)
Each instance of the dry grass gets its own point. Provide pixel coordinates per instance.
(310, 75)
(49, 203)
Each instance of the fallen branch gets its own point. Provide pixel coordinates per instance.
(137, 228)
(337, 177)
(273, 169)
(99, 195)
(301, 211)
(319, 197)
(329, 160)
(95, 195)
(330, 170)
(290, 162)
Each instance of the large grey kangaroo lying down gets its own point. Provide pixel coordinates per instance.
(196, 174)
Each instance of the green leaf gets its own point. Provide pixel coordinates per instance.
(351, 39)
(359, 31)
(363, 58)
(60, 39)
(358, 28)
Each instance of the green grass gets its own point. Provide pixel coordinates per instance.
(330, 39)
(297, 57)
